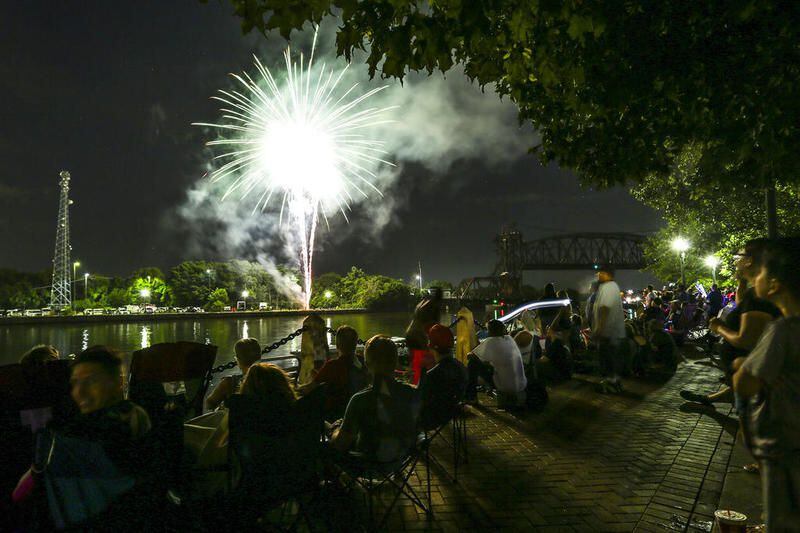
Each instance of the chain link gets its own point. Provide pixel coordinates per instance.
(274, 346)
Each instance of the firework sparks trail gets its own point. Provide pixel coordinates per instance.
(301, 140)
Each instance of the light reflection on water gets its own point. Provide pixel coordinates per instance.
(145, 337)
(85, 341)
(223, 332)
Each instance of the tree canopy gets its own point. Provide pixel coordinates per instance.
(616, 90)
(717, 219)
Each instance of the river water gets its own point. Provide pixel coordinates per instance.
(223, 332)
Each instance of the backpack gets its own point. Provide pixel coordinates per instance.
(535, 393)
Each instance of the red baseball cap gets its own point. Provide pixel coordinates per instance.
(440, 337)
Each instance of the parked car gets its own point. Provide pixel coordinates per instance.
(47, 311)
(33, 312)
(262, 306)
(13, 312)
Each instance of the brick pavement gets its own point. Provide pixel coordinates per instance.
(587, 462)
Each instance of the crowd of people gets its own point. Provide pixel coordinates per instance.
(374, 408)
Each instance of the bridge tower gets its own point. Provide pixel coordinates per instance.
(61, 290)
(512, 258)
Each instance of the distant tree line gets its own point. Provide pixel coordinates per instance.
(211, 285)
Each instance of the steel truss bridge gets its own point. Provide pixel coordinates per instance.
(575, 251)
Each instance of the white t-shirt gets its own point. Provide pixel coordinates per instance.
(504, 355)
(608, 296)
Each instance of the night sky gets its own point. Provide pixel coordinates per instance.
(108, 90)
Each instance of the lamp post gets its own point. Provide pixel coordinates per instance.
(681, 245)
(145, 294)
(75, 266)
(419, 275)
(208, 273)
(712, 262)
(85, 285)
(245, 294)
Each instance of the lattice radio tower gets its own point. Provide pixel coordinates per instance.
(61, 292)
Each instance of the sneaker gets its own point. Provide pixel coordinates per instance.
(690, 396)
(607, 387)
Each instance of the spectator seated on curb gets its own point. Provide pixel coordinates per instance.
(556, 364)
(443, 386)
(498, 362)
(247, 352)
(661, 347)
(345, 374)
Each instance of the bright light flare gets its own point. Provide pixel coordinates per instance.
(679, 244)
(712, 261)
(303, 141)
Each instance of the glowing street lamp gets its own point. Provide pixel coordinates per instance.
(681, 245)
(86, 285)
(208, 273)
(145, 294)
(712, 262)
(328, 295)
(245, 294)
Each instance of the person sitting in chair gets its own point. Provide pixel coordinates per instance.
(345, 375)
(39, 355)
(443, 386)
(497, 360)
(380, 422)
(101, 453)
(247, 353)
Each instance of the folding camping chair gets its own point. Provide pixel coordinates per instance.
(170, 381)
(30, 396)
(372, 476)
(280, 458)
(458, 440)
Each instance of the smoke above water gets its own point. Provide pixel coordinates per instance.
(436, 121)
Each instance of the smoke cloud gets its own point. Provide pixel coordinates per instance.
(436, 121)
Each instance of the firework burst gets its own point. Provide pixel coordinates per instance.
(301, 142)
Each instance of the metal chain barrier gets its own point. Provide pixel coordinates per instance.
(274, 346)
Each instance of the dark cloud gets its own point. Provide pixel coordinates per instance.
(108, 90)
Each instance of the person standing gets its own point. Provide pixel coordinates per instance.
(608, 328)
(426, 314)
(714, 299)
(769, 383)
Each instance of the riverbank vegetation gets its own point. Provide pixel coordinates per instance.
(212, 286)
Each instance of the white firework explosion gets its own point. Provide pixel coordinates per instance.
(303, 141)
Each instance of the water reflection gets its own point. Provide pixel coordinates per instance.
(223, 333)
(145, 337)
(85, 339)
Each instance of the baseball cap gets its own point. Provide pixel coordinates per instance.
(440, 337)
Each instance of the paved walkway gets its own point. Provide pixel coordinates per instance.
(588, 462)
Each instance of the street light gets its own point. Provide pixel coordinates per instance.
(245, 294)
(328, 295)
(208, 273)
(681, 245)
(85, 285)
(712, 262)
(145, 294)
